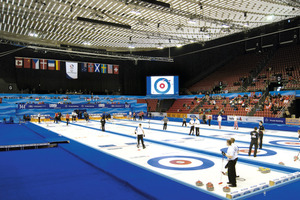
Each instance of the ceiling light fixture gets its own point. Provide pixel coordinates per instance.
(87, 43)
(131, 46)
(33, 34)
(192, 21)
(270, 17)
(157, 3)
(103, 22)
(225, 26)
(160, 46)
(135, 12)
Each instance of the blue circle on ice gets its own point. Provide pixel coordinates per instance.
(205, 163)
(287, 143)
(245, 150)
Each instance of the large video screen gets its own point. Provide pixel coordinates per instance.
(162, 85)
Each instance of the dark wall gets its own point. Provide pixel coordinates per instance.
(191, 63)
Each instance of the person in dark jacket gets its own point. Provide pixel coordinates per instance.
(102, 121)
(254, 141)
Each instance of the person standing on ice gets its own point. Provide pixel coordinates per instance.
(236, 151)
(231, 156)
(140, 135)
(192, 123)
(102, 121)
(254, 141)
(197, 126)
(183, 121)
(219, 120)
(261, 130)
(235, 119)
(165, 119)
(67, 118)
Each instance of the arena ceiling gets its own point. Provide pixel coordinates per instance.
(122, 25)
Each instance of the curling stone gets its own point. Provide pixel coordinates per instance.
(226, 189)
(260, 168)
(209, 186)
(281, 163)
(265, 170)
(199, 183)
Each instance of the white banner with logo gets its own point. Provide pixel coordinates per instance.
(72, 70)
(245, 118)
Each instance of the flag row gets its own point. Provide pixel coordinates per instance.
(44, 64)
(32, 63)
(100, 68)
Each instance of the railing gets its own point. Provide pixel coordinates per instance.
(280, 113)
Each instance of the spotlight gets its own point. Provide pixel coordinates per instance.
(270, 17)
(135, 12)
(131, 46)
(87, 43)
(192, 21)
(160, 47)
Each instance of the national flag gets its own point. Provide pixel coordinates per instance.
(37, 99)
(35, 64)
(43, 64)
(51, 64)
(84, 67)
(103, 68)
(27, 63)
(57, 65)
(19, 62)
(91, 67)
(110, 69)
(116, 69)
(97, 67)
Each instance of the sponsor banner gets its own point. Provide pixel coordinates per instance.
(292, 121)
(117, 106)
(158, 114)
(71, 106)
(246, 118)
(176, 115)
(33, 106)
(193, 116)
(271, 120)
(215, 117)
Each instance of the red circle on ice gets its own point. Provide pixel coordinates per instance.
(293, 143)
(180, 162)
(247, 151)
